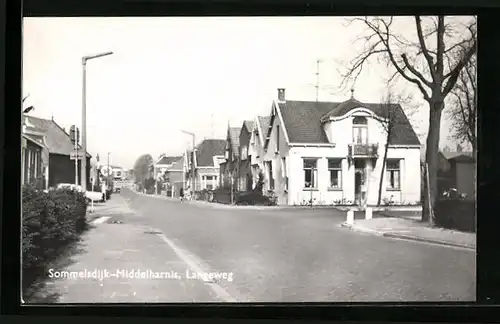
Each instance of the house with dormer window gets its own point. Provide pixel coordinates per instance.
(205, 166)
(332, 153)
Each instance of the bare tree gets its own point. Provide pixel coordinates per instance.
(394, 121)
(463, 111)
(433, 69)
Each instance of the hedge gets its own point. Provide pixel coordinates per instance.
(51, 222)
(456, 214)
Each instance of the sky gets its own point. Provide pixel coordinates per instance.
(195, 74)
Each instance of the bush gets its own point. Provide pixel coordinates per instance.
(456, 214)
(222, 195)
(51, 222)
(205, 195)
(255, 198)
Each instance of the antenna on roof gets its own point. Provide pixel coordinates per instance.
(212, 124)
(317, 79)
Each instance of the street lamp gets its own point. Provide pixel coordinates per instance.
(192, 160)
(84, 115)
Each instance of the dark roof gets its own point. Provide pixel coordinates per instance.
(206, 150)
(58, 141)
(249, 125)
(168, 159)
(303, 120)
(234, 136)
(264, 124)
(178, 165)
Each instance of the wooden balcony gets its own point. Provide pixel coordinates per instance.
(363, 150)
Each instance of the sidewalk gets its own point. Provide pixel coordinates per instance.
(410, 229)
(128, 247)
(213, 204)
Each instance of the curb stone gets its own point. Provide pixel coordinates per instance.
(407, 237)
(419, 239)
(362, 229)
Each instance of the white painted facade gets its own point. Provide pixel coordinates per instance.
(287, 161)
(256, 149)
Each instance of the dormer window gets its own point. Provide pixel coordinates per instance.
(360, 130)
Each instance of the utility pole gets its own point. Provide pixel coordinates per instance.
(84, 116)
(192, 158)
(109, 172)
(77, 157)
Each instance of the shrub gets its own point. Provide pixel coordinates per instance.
(255, 198)
(205, 195)
(51, 221)
(456, 214)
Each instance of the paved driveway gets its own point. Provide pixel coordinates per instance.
(292, 255)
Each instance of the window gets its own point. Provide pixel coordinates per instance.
(310, 173)
(271, 176)
(360, 130)
(335, 170)
(277, 138)
(284, 173)
(393, 174)
(209, 177)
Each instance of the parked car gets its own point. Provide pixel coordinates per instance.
(90, 195)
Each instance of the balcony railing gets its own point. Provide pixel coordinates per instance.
(363, 150)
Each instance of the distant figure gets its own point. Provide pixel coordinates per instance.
(103, 190)
(182, 194)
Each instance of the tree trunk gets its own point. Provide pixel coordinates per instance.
(431, 158)
(381, 181)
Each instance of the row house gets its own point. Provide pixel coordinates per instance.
(229, 169)
(329, 153)
(48, 147)
(326, 153)
(204, 164)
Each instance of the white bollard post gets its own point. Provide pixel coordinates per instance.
(350, 217)
(368, 213)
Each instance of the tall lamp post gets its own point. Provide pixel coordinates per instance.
(84, 115)
(192, 159)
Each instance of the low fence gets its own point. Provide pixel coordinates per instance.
(456, 214)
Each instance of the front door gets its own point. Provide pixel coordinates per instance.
(359, 178)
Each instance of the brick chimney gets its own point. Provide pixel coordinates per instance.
(281, 95)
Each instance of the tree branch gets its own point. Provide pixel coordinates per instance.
(415, 72)
(455, 72)
(401, 71)
(423, 47)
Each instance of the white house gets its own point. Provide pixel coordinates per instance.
(209, 155)
(331, 153)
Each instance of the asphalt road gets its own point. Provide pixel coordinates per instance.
(299, 255)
